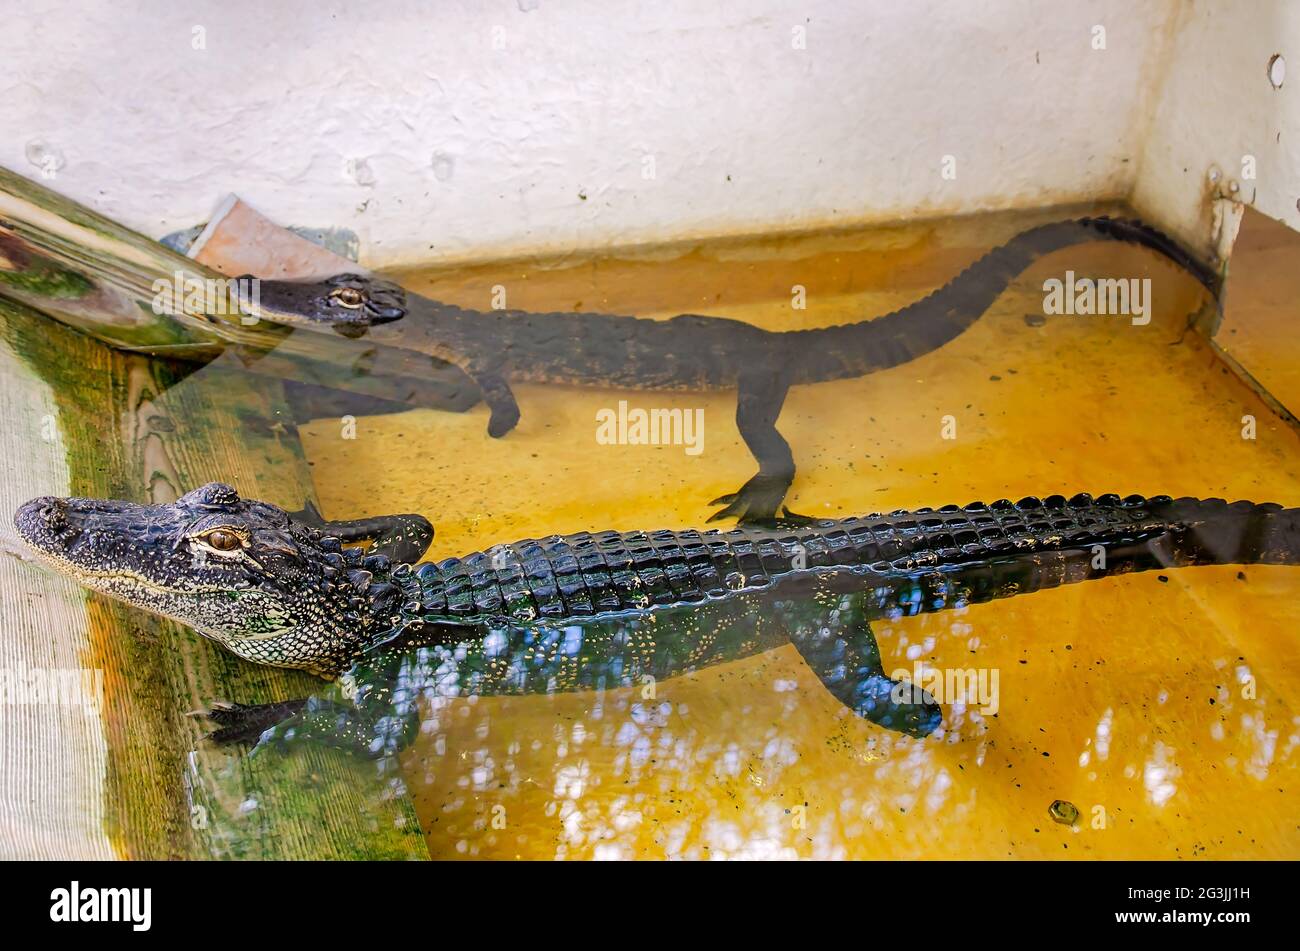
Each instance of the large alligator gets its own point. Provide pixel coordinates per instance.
(604, 610)
(690, 351)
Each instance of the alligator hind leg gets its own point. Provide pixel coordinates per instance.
(403, 538)
(843, 653)
(761, 394)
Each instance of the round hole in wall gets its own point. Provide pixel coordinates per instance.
(1276, 70)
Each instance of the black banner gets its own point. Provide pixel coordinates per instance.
(921, 900)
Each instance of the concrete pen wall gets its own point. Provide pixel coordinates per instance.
(473, 130)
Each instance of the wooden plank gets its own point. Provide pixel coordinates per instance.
(145, 430)
(91, 273)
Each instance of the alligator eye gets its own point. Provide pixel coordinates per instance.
(349, 297)
(222, 540)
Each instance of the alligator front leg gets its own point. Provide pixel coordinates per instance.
(324, 720)
(498, 396)
(372, 711)
(344, 726)
(403, 538)
(239, 723)
(761, 394)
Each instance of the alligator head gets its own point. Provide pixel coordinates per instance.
(349, 303)
(243, 573)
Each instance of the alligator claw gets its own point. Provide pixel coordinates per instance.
(756, 502)
(221, 711)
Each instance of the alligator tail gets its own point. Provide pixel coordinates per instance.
(1034, 545)
(1132, 231)
(1133, 535)
(1215, 532)
(854, 349)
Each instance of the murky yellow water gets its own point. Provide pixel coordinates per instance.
(1164, 707)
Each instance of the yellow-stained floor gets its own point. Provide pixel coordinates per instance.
(1164, 707)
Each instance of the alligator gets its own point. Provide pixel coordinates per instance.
(592, 611)
(689, 351)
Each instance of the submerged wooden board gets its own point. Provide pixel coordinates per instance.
(52, 756)
(141, 429)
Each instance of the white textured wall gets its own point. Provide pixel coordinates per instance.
(1215, 106)
(466, 150)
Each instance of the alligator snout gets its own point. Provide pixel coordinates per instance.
(44, 516)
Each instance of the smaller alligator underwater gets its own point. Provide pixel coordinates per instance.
(691, 352)
(605, 610)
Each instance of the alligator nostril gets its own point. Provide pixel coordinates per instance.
(54, 514)
(43, 517)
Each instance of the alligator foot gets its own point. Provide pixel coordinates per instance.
(246, 722)
(757, 503)
(502, 406)
(896, 705)
(399, 537)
